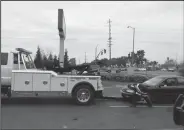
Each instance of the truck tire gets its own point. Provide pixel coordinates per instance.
(83, 95)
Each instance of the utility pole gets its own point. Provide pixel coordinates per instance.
(133, 43)
(183, 53)
(85, 57)
(110, 38)
(176, 58)
(96, 52)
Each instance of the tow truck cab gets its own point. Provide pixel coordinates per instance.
(19, 59)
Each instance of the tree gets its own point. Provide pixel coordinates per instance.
(50, 61)
(169, 63)
(38, 59)
(50, 57)
(102, 62)
(66, 62)
(139, 57)
(45, 60)
(181, 70)
(56, 61)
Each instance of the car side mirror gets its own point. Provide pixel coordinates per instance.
(162, 85)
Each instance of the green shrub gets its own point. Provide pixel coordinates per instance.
(125, 78)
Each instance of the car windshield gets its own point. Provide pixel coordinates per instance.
(153, 81)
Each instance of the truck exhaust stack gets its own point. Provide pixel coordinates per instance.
(62, 35)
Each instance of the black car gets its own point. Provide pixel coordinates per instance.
(165, 87)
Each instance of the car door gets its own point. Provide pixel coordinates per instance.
(169, 89)
(180, 87)
(154, 92)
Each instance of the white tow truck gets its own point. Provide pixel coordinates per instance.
(20, 76)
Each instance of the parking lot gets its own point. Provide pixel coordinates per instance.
(55, 113)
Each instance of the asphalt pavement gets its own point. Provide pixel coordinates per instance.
(58, 113)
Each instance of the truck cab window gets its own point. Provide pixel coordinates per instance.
(4, 58)
(28, 61)
(15, 58)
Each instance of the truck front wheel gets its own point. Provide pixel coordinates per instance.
(83, 95)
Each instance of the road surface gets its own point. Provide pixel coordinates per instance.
(58, 113)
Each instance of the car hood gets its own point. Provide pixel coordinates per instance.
(131, 86)
(141, 87)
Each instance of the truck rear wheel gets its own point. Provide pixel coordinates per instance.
(83, 95)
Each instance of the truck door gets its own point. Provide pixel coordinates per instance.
(6, 68)
(41, 82)
(17, 62)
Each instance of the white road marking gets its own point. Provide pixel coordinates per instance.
(141, 106)
(119, 106)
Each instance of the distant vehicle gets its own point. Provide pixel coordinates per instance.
(123, 69)
(143, 69)
(172, 69)
(160, 87)
(163, 69)
(140, 69)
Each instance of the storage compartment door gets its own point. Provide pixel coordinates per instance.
(59, 84)
(41, 82)
(23, 82)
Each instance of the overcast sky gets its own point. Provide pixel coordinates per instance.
(159, 27)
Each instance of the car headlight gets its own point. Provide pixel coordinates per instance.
(130, 91)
